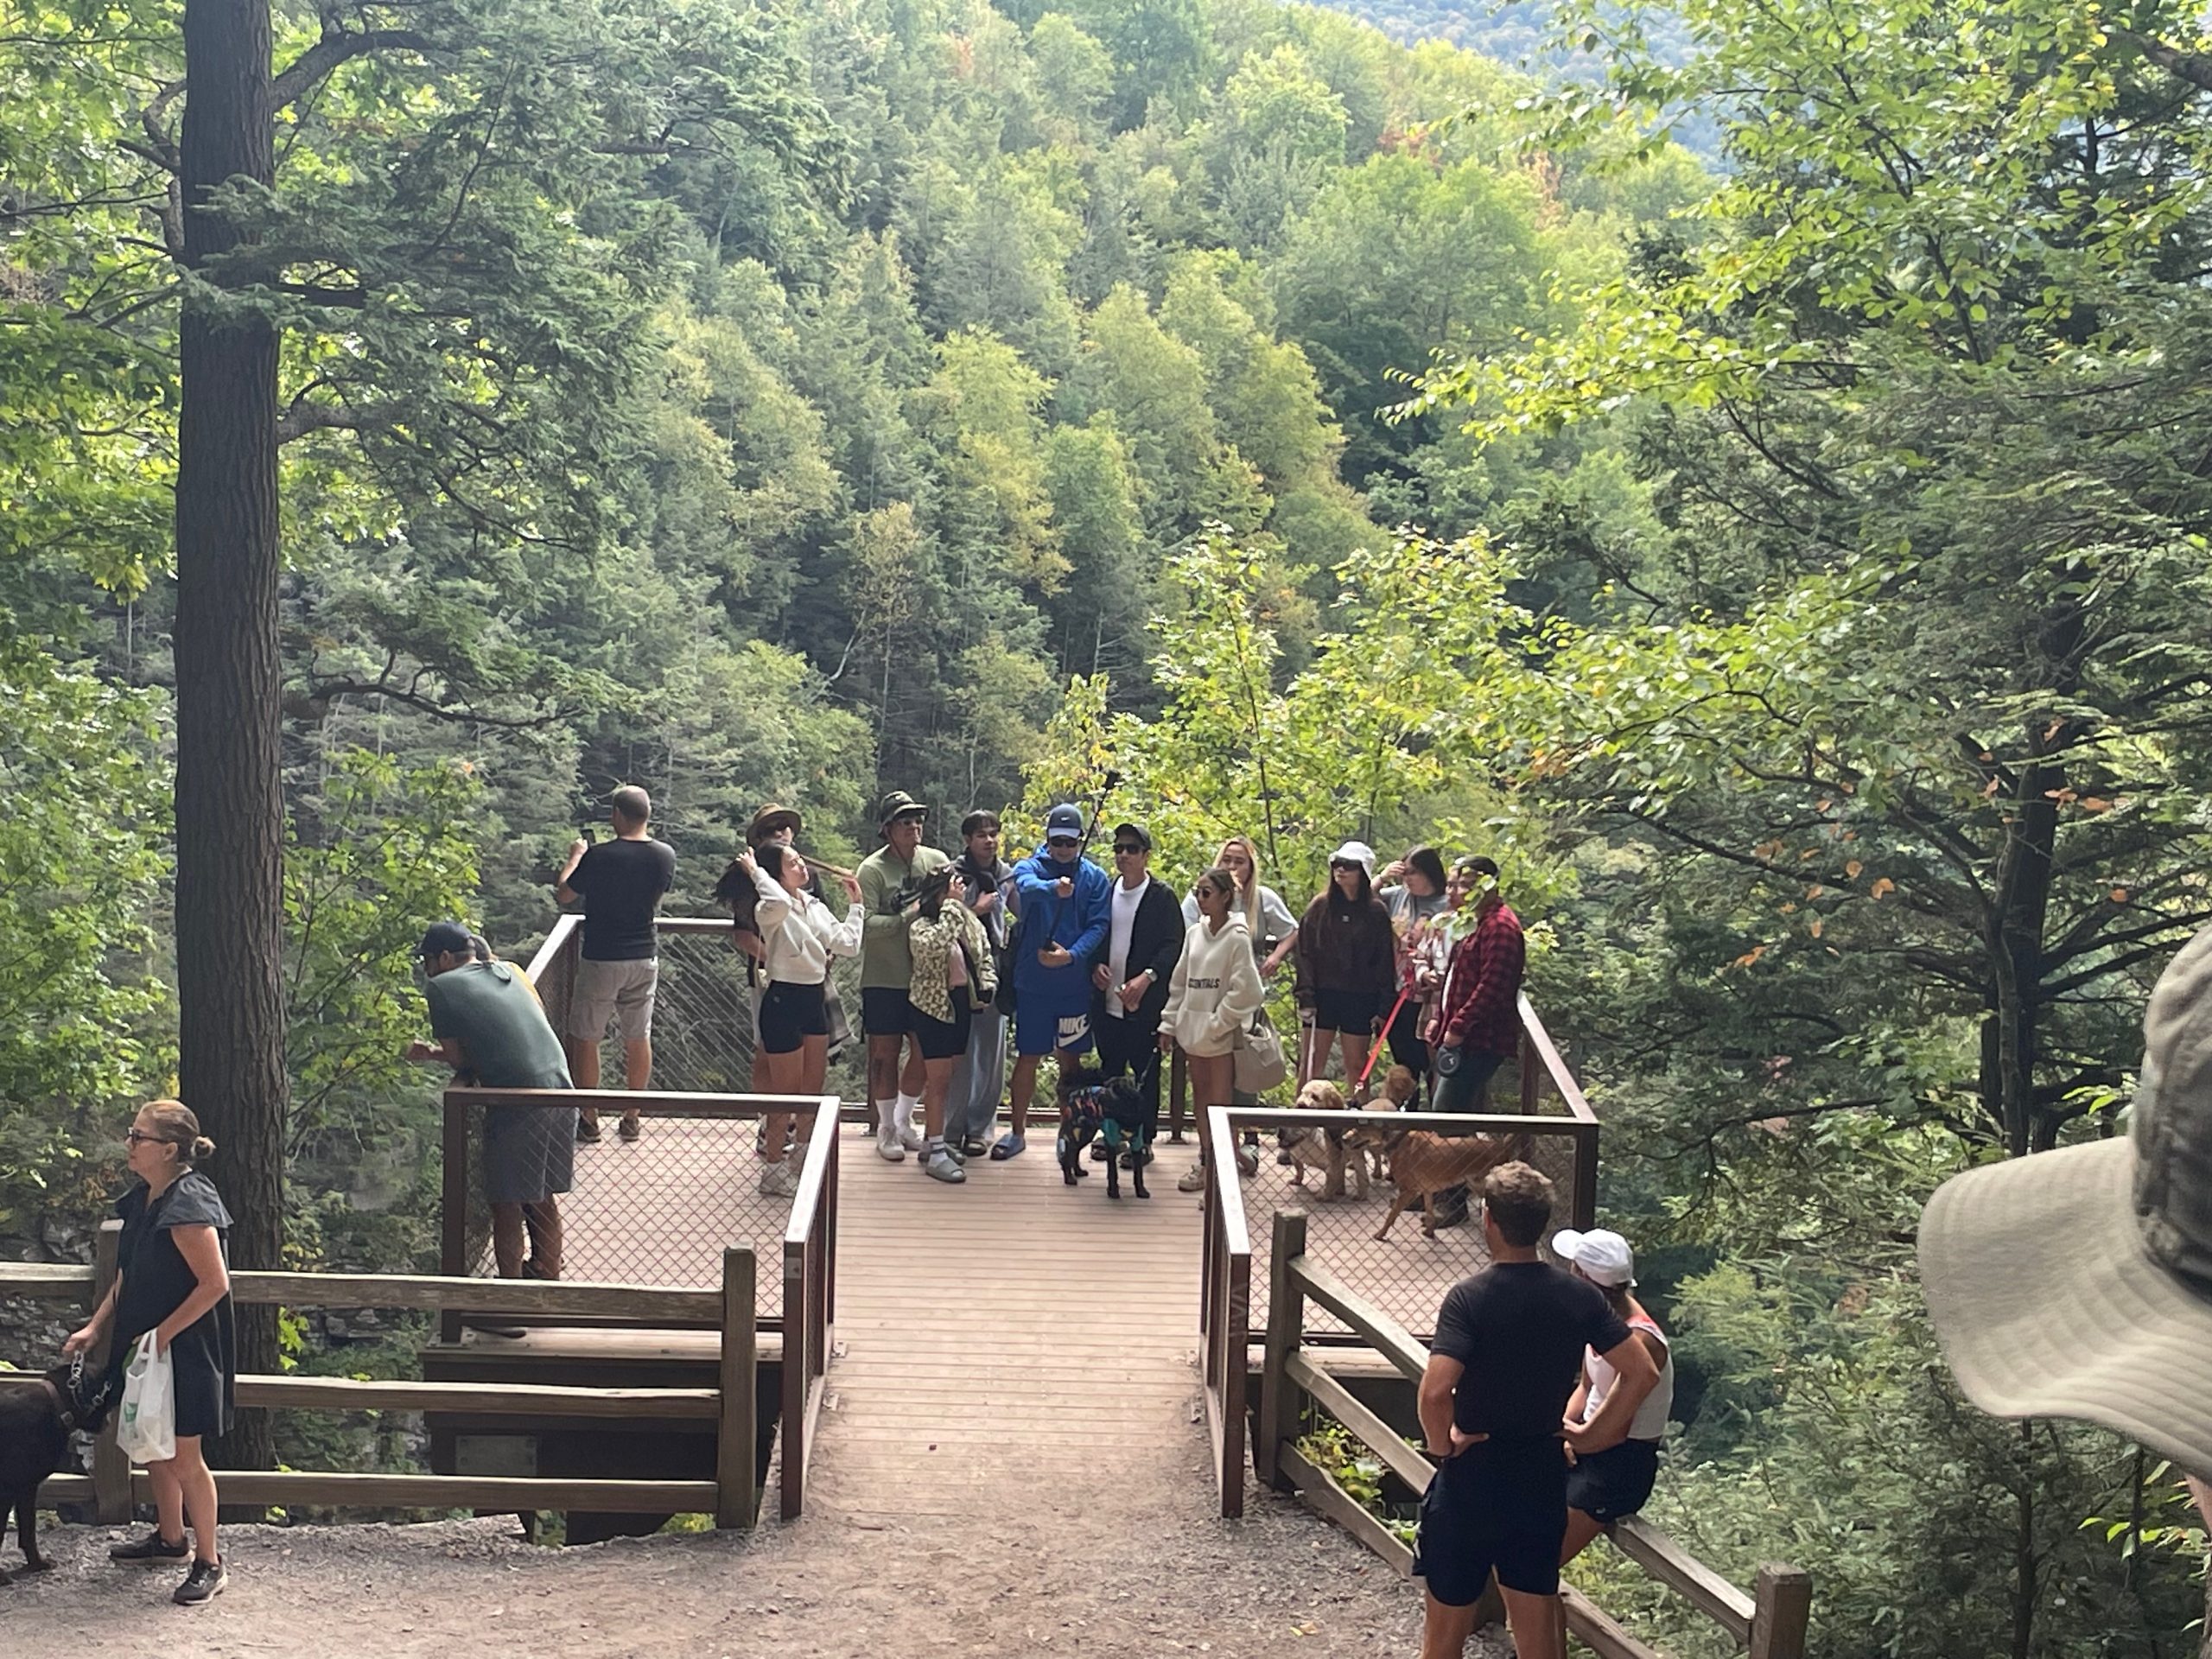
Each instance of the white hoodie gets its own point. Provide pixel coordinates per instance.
(800, 933)
(1215, 989)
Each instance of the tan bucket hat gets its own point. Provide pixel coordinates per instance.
(2079, 1283)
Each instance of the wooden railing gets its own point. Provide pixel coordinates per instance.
(810, 1314)
(733, 1497)
(1769, 1622)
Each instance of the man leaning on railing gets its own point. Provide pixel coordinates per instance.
(489, 1028)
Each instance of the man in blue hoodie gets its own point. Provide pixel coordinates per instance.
(1066, 904)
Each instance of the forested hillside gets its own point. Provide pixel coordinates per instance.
(1805, 592)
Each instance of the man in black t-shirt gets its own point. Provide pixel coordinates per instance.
(1507, 1356)
(621, 882)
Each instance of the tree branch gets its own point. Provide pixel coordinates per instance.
(313, 66)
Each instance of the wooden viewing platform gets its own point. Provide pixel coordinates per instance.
(1010, 1324)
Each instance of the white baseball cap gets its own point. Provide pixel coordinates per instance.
(1602, 1255)
(1355, 852)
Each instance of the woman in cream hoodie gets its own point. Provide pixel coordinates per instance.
(1212, 997)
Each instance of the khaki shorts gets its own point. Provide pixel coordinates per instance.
(613, 987)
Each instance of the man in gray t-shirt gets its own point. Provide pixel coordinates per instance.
(492, 1031)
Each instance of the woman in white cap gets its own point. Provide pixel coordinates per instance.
(1347, 966)
(1610, 1479)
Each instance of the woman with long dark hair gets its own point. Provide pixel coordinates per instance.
(1347, 967)
(799, 936)
(1413, 891)
(173, 1283)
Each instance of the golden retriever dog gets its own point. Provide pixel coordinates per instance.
(1423, 1165)
(1313, 1146)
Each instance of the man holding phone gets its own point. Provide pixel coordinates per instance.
(621, 882)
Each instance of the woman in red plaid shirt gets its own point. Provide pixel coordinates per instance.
(1477, 1023)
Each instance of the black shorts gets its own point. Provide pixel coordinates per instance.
(1352, 1011)
(885, 1011)
(1610, 1484)
(789, 1015)
(943, 1040)
(1500, 1506)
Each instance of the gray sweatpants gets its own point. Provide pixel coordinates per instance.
(971, 1104)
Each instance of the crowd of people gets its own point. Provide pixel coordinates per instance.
(1548, 1387)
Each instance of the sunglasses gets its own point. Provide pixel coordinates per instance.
(1062, 841)
(1125, 847)
(135, 1137)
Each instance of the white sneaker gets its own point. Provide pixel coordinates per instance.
(887, 1146)
(779, 1180)
(1194, 1179)
(1247, 1162)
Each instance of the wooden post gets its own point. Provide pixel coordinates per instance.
(110, 1469)
(1586, 1175)
(736, 1499)
(1781, 1607)
(1278, 1401)
(1236, 1318)
(1532, 1078)
(452, 1245)
(796, 1374)
(1179, 1095)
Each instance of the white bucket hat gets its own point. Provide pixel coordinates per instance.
(2079, 1283)
(1602, 1255)
(1355, 852)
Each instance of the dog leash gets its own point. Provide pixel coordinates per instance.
(1375, 1052)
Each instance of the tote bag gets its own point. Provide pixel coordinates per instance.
(1259, 1064)
(145, 1425)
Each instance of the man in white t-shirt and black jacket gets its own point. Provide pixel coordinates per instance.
(1128, 977)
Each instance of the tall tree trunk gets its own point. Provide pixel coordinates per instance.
(230, 809)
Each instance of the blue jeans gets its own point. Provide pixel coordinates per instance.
(971, 1104)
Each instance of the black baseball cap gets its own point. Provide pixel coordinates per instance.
(444, 936)
(1136, 832)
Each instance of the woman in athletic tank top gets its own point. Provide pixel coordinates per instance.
(1611, 1481)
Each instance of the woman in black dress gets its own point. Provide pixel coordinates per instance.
(172, 1280)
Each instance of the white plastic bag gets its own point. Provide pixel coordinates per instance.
(145, 1425)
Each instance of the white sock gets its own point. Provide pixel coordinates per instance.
(886, 1115)
(907, 1104)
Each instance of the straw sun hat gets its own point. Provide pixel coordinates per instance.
(2079, 1283)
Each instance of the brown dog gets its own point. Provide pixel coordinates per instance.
(1423, 1165)
(1312, 1146)
(1400, 1089)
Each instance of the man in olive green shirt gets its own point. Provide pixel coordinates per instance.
(887, 971)
(492, 1031)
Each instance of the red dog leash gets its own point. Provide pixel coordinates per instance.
(1375, 1052)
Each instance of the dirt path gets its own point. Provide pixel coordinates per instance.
(1014, 1464)
(1028, 1569)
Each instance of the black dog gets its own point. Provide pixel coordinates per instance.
(35, 1424)
(1120, 1112)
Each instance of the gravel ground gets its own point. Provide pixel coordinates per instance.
(1028, 1569)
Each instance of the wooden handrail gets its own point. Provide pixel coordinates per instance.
(650, 1103)
(1385, 1334)
(555, 942)
(813, 1169)
(1682, 1572)
(1540, 1040)
(419, 1293)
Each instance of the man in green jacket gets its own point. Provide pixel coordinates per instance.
(887, 971)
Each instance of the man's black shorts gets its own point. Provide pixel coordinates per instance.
(1499, 1505)
(885, 1011)
(1613, 1483)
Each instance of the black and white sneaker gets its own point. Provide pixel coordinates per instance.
(152, 1547)
(204, 1583)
